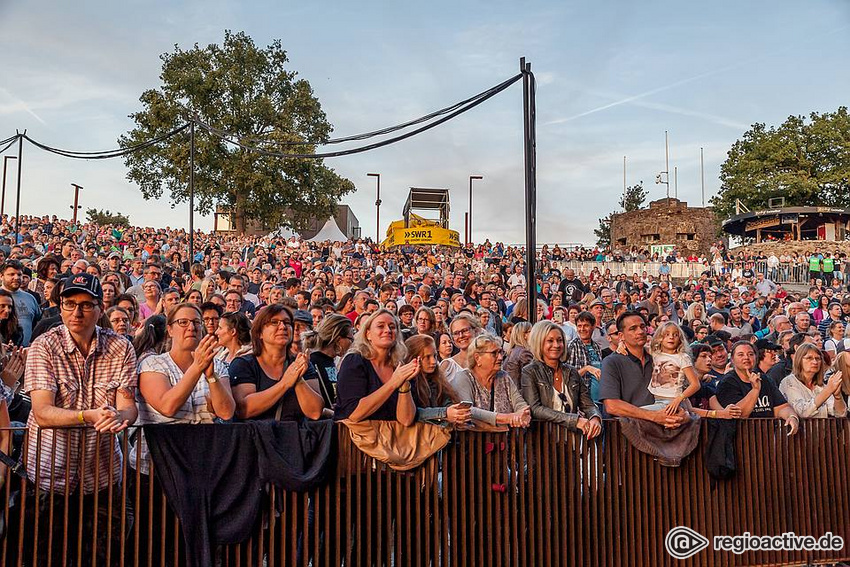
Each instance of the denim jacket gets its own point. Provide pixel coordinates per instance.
(538, 390)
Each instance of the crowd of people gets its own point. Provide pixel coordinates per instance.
(114, 326)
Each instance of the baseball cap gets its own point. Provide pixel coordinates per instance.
(411, 288)
(83, 282)
(303, 316)
(597, 302)
(114, 255)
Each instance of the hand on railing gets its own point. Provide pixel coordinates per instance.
(106, 419)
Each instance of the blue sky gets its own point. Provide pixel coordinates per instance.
(612, 77)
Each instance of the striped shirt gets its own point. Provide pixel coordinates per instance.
(194, 410)
(55, 364)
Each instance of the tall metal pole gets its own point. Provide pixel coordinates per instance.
(377, 207)
(530, 143)
(191, 192)
(667, 162)
(702, 175)
(624, 176)
(3, 198)
(676, 181)
(471, 177)
(18, 197)
(76, 205)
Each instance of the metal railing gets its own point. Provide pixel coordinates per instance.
(784, 273)
(544, 496)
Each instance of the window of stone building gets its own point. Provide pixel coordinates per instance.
(653, 237)
(685, 235)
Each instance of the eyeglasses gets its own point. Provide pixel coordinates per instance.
(212, 319)
(461, 332)
(85, 306)
(496, 353)
(279, 323)
(118, 320)
(185, 323)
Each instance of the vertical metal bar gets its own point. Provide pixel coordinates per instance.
(530, 142)
(125, 466)
(18, 198)
(349, 529)
(38, 449)
(191, 258)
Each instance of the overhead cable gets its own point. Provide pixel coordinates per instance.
(107, 154)
(232, 138)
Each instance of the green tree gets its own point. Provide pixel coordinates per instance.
(106, 217)
(807, 161)
(634, 197)
(249, 92)
(603, 232)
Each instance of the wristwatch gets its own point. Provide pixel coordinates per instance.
(212, 379)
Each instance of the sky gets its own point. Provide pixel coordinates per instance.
(612, 77)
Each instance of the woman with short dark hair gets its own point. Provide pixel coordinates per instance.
(269, 383)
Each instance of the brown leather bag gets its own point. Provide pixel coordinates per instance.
(401, 447)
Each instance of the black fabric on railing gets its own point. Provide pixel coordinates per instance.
(214, 475)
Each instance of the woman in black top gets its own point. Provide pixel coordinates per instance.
(332, 338)
(268, 384)
(371, 383)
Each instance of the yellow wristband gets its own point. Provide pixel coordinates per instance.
(81, 418)
(401, 391)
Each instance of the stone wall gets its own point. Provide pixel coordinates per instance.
(666, 221)
(794, 246)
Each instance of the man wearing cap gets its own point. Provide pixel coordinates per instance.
(79, 374)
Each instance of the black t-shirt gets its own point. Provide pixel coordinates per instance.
(356, 380)
(572, 290)
(247, 370)
(702, 398)
(732, 390)
(326, 370)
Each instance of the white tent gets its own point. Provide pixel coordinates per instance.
(283, 232)
(329, 232)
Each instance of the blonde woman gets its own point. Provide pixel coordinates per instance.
(372, 382)
(805, 390)
(518, 353)
(329, 341)
(696, 312)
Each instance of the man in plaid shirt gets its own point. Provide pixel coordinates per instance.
(79, 374)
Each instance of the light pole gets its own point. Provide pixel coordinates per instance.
(471, 177)
(3, 198)
(377, 208)
(76, 205)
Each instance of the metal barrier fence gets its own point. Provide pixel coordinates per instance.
(784, 273)
(544, 496)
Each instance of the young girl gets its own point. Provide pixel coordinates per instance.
(671, 368)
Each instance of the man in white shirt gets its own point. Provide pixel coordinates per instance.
(517, 278)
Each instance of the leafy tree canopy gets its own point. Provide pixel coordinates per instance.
(634, 197)
(249, 92)
(107, 218)
(807, 161)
